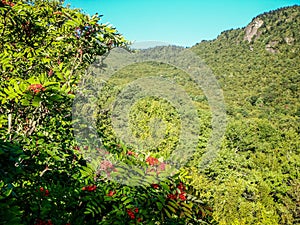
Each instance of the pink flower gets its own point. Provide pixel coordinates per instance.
(50, 73)
(162, 166)
(105, 164)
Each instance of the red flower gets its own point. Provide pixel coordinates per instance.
(111, 193)
(8, 3)
(182, 196)
(36, 88)
(152, 161)
(92, 188)
(47, 193)
(136, 210)
(172, 196)
(181, 187)
(41, 189)
(76, 148)
(130, 214)
(130, 153)
(89, 188)
(139, 219)
(155, 186)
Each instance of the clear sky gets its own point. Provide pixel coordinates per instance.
(179, 22)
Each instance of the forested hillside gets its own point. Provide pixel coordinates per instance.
(255, 178)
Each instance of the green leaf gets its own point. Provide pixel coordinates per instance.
(159, 205)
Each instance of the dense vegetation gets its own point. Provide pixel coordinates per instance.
(46, 175)
(255, 179)
(52, 171)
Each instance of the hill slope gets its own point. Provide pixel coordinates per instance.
(256, 179)
(258, 66)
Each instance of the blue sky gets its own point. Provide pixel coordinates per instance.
(177, 22)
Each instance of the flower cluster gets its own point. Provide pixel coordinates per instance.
(172, 196)
(131, 213)
(11, 4)
(89, 188)
(107, 167)
(156, 165)
(45, 192)
(181, 195)
(181, 188)
(152, 161)
(111, 193)
(105, 164)
(36, 88)
(77, 148)
(132, 153)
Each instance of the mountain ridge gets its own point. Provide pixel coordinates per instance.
(267, 65)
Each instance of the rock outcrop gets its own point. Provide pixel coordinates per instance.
(252, 29)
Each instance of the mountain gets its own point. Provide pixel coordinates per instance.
(255, 178)
(258, 65)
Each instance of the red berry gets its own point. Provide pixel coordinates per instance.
(47, 193)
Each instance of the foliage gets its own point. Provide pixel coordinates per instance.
(255, 178)
(45, 49)
(257, 170)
